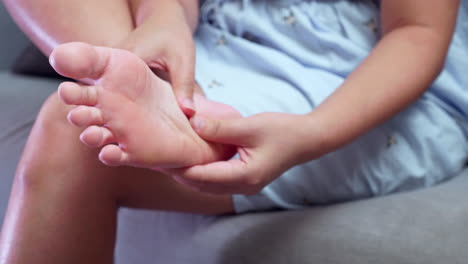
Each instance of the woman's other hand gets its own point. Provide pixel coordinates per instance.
(163, 39)
(268, 144)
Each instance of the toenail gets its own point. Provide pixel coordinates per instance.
(69, 117)
(51, 60)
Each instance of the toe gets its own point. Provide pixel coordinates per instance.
(79, 61)
(95, 136)
(113, 155)
(75, 94)
(83, 116)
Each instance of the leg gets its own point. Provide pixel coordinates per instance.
(64, 201)
(17, 115)
(51, 22)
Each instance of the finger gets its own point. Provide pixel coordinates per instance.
(232, 172)
(182, 74)
(228, 177)
(238, 131)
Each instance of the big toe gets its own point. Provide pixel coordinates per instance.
(79, 61)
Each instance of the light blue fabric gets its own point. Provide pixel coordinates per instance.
(288, 56)
(451, 88)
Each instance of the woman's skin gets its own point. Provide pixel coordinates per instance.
(63, 211)
(69, 185)
(51, 22)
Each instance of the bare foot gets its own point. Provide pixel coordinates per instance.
(129, 112)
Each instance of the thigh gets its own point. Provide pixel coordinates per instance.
(20, 100)
(103, 23)
(146, 189)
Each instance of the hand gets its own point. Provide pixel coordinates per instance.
(268, 144)
(164, 41)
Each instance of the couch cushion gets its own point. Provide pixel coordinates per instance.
(421, 227)
(20, 101)
(33, 62)
(13, 40)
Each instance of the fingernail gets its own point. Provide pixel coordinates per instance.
(187, 102)
(188, 107)
(198, 123)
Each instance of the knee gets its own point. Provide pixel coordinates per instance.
(53, 115)
(49, 145)
(51, 131)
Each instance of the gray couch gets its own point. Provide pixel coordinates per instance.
(428, 226)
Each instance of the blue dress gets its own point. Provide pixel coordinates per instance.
(288, 56)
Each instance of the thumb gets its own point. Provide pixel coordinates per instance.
(238, 131)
